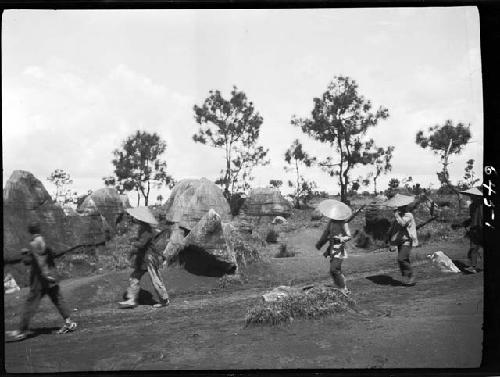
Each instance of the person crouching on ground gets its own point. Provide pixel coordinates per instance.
(337, 233)
(145, 258)
(43, 281)
(404, 235)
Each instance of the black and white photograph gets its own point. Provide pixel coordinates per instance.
(243, 189)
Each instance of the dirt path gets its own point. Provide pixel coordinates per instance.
(437, 323)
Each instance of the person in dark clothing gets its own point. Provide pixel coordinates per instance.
(43, 281)
(145, 258)
(337, 233)
(475, 225)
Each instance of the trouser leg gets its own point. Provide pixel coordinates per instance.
(30, 306)
(134, 285)
(59, 302)
(404, 260)
(336, 272)
(473, 254)
(157, 280)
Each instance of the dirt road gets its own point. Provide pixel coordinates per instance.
(435, 324)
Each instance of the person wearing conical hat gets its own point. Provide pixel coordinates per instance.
(475, 225)
(403, 235)
(337, 233)
(145, 258)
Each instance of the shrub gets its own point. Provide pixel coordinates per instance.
(229, 280)
(247, 247)
(272, 236)
(314, 303)
(284, 253)
(424, 237)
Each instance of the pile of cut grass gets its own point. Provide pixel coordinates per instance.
(315, 303)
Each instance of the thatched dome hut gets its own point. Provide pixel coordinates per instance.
(191, 199)
(266, 202)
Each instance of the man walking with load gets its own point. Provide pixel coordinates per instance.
(337, 233)
(403, 234)
(43, 281)
(475, 224)
(145, 258)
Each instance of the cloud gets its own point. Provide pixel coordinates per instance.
(34, 71)
(55, 117)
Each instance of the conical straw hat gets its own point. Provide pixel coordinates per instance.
(399, 200)
(142, 214)
(472, 191)
(334, 209)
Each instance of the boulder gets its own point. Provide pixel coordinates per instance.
(207, 249)
(281, 292)
(191, 199)
(443, 262)
(9, 284)
(266, 202)
(24, 190)
(26, 200)
(279, 220)
(106, 202)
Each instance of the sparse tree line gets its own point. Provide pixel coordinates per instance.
(340, 118)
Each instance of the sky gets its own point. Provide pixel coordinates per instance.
(76, 83)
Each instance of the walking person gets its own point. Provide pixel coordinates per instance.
(403, 234)
(337, 233)
(475, 225)
(145, 258)
(43, 281)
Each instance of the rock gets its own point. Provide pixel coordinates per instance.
(207, 250)
(26, 200)
(279, 220)
(9, 284)
(443, 262)
(280, 293)
(106, 202)
(191, 199)
(266, 202)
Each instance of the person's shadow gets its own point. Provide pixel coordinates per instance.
(462, 266)
(384, 280)
(144, 298)
(33, 333)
